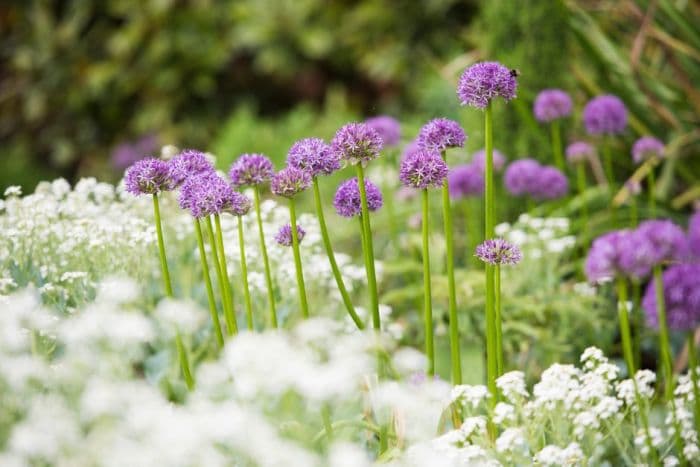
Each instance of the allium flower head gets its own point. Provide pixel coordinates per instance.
(579, 151)
(694, 235)
(347, 198)
(682, 297)
(357, 143)
(206, 194)
(440, 134)
(289, 182)
(497, 251)
(314, 156)
(521, 177)
(466, 180)
(552, 104)
(484, 81)
(388, 128)
(647, 147)
(236, 203)
(551, 183)
(605, 115)
(284, 235)
(605, 260)
(148, 177)
(667, 240)
(499, 160)
(423, 169)
(189, 163)
(251, 170)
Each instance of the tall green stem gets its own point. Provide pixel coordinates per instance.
(489, 222)
(297, 260)
(651, 178)
(693, 370)
(499, 326)
(427, 300)
(367, 228)
(207, 283)
(637, 323)
(244, 274)
(607, 161)
(184, 361)
(581, 181)
(664, 341)
(556, 145)
(161, 248)
(266, 261)
(331, 257)
(222, 277)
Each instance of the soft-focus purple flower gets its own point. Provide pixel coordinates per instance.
(423, 169)
(189, 163)
(633, 187)
(484, 81)
(605, 115)
(466, 180)
(388, 128)
(314, 156)
(681, 296)
(694, 235)
(668, 241)
(497, 251)
(284, 235)
(237, 203)
(637, 255)
(604, 260)
(647, 147)
(251, 170)
(406, 193)
(357, 143)
(440, 134)
(347, 198)
(126, 154)
(552, 104)
(289, 182)
(206, 194)
(551, 184)
(147, 177)
(521, 176)
(499, 160)
(579, 151)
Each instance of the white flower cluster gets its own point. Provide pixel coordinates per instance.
(538, 236)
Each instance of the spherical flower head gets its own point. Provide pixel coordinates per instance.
(440, 134)
(498, 251)
(647, 147)
(499, 160)
(189, 163)
(552, 104)
(148, 177)
(579, 151)
(205, 194)
(347, 200)
(388, 128)
(251, 170)
(681, 296)
(521, 177)
(603, 260)
(289, 182)
(237, 203)
(357, 143)
(605, 115)
(551, 184)
(667, 240)
(485, 81)
(313, 155)
(422, 170)
(284, 235)
(694, 235)
(466, 180)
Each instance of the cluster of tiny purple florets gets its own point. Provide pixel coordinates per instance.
(422, 170)
(526, 177)
(289, 182)
(552, 104)
(605, 115)
(485, 81)
(251, 170)
(579, 151)
(499, 160)
(237, 203)
(205, 195)
(647, 147)
(347, 200)
(189, 163)
(148, 177)
(440, 134)
(681, 285)
(356, 143)
(466, 180)
(313, 155)
(388, 128)
(284, 235)
(498, 251)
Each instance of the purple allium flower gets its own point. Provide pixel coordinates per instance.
(423, 169)
(694, 235)
(289, 182)
(236, 203)
(388, 128)
(284, 235)
(521, 176)
(466, 180)
(440, 134)
(604, 256)
(347, 200)
(681, 296)
(206, 194)
(126, 154)
(482, 82)
(667, 240)
(497, 251)
(579, 151)
(499, 160)
(189, 163)
(647, 147)
(551, 183)
(314, 156)
(605, 115)
(148, 176)
(357, 143)
(552, 104)
(251, 170)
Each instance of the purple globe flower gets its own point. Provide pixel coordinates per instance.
(440, 134)
(236, 203)
(694, 235)
(251, 170)
(289, 182)
(605, 115)
(357, 143)
(284, 235)
(633, 186)
(388, 128)
(422, 170)
(148, 177)
(578, 152)
(647, 147)
(551, 184)
(607, 260)
(127, 153)
(498, 251)
(521, 177)
(499, 160)
(206, 194)
(552, 104)
(466, 180)
(313, 155)
(485, 81)
(667, 240)
(189, 163)
(347, 200)
(681, 296)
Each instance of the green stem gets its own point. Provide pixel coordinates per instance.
(161, 248)
(499, 328)
(556, 145)
(328, 426)
(664, 341)
(331, 258)
(222, 277)
(693, 370)
(184, 361)
(651, 179)
(383, 439)
(491, 326)
(581, 181)
(607, 160)
(224, 271)
(367, 228)
(637, 323)
(207, 282)
(244, 274)
(427, 302)
(297, 260)
(266, 261)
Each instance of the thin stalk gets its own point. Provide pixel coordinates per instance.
(427, 301)
(244, 274)
(499, 328)
(607, 160)
(637, 323)
(581, 181)
(383, 439)
(229, 316)
(184, 361)
(266, 261)
(327, 425)
(161, 247)
(224, 271)
(489, 222)
(651, 179)
(297, 260)
(331, 258)
(367, 228)
(664, 342)
(207, 282)
(556, 145)
(692, 367)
